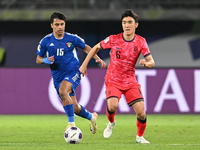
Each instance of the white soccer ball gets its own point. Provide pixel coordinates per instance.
(73, 135)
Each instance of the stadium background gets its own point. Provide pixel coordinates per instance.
(172, 30)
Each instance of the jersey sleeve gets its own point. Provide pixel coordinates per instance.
(41, 49)
(79, 42)
(106, 43)
(145, 49)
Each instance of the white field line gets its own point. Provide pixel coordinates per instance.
(173, 144)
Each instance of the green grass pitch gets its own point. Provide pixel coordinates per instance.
(46, 132)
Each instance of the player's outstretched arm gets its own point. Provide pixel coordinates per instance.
(148, 63)
(96, 57)
(92, 52)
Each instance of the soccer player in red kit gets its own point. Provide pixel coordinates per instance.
(120, 77)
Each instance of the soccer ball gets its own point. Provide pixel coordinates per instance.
(73, 135)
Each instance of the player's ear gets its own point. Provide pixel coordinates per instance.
(51, 25)
(136, 25)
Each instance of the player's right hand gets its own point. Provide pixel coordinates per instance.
(103, 64)
(48, 60)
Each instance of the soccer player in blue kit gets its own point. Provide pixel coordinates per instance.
(58, 49)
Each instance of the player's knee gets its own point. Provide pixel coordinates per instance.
(112, 108)
(112, 105)
(63, 93)
(141, 115)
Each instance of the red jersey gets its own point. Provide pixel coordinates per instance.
(123, 57)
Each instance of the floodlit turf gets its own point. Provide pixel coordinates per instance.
(45, 132)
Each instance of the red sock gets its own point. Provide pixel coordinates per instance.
(111, 117)
(141, 128)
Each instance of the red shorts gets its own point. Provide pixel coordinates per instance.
(132, 95)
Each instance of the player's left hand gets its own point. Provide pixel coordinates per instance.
(103, 64)
(143, 62)
(83, 70)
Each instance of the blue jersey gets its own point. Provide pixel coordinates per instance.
(65, 54)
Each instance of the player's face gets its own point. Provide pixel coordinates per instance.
(129, 26)
(58, 27)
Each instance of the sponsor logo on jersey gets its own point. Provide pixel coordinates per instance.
(118, 48)
(69, 44)
(51, 44)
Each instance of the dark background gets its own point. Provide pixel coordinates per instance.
(20, 38)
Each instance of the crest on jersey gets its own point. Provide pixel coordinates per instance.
(135, 49)
(69, 44)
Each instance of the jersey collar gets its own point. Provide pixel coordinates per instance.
(57, 38)
(128, 40)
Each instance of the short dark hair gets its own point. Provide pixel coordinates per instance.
(130, 13)
(59, 16)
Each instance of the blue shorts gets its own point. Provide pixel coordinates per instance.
(74, 78)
